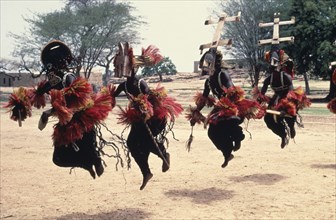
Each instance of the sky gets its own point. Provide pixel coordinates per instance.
(175, 27)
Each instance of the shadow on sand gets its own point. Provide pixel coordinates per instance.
(117, 214)
(204, 196)
(263, 179)
(324, 166)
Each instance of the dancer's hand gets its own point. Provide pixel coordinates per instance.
(282, 114)
(44, 119)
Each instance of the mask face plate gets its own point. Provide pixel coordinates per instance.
(275, 61)
(122, 61)
(208, 65)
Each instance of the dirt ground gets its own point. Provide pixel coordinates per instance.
(263, 181)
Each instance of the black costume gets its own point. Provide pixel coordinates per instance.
(226, 134)
(74, 136)
(83, 152)
(140, 142)
(286, 100)
(148, 110)
(281, 84)
(224, 131)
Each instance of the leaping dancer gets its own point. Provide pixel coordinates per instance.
(332, 103)
(283, 107)
(78, 109)
(230, 108)
(148, 112)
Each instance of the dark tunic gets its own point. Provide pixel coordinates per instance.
(83, 153)
(226, 134)
(139, 141)
(281, 84)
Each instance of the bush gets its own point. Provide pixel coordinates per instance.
(164, 67)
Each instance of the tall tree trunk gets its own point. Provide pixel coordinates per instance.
(160, 75)
(306, 83)
(79, 66)
(256, 75)
(107, 76)
(252, 74)
(252, 78)
(109, 60)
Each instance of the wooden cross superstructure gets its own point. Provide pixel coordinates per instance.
(276, 26)
(216, 41)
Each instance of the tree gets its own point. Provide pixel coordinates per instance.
(92, 28)
(246, 33)
(6, 64)
(314, 33)
(164, 67)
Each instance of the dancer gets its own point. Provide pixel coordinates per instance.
(148, 111)
(332, 103)
(77, 108)
(283, 107)
(229, 110)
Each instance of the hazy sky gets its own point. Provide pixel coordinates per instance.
(176, 27)
(12, 21)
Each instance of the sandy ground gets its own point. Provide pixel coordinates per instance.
(263, 181)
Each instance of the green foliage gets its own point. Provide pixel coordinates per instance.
(164, 67)
(91, 28)
(246, 33)
(315, 33)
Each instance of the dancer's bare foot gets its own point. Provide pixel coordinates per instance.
(284, 142)
(99, 168)
(292, 132)
(145, 180)
(166, 166)
(226, 162)
(92, 172)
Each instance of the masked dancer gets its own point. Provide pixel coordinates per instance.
(230, 108)
(148, 112)
(78, 109)
(284, 105)
(332, 103)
